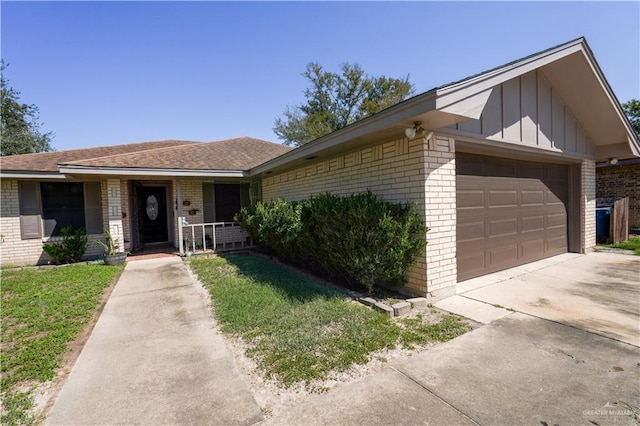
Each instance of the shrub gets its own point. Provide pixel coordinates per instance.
(275, 225)
(70, 249)
(360, 237)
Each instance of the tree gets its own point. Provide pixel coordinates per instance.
(632, 109)
(20, 132)
(334, 101)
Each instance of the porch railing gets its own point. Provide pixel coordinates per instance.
(207, 237)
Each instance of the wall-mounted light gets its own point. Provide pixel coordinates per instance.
(613, 161)
(411, 132)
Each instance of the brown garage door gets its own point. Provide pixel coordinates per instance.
(509, 212)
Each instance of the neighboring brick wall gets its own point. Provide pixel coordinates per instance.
(588, 205)
(618, 182)
(16, 251)
(398, 171)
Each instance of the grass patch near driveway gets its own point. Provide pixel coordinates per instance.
(43, 310)
(298, 330)
(633, 243)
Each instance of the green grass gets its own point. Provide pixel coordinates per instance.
(42, 311)
(298, 330)
(632, 243)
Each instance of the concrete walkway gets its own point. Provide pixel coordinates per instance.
(155, 357)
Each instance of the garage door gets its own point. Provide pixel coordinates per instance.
(509, 212)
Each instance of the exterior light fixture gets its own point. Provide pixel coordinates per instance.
(613, 161)
(411, 132)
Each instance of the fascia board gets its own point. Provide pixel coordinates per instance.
(455, 93)
(18, 174)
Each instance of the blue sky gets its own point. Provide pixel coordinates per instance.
(107, 73)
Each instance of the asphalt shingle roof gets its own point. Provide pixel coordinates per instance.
(231, 154)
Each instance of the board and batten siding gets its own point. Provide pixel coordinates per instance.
(527, 110)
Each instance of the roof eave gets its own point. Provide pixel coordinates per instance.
(31, 174)
(403, 111)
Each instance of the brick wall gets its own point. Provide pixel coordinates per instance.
(618, 182)
(440, 193)
(401, 171)
(588, 205)
(16, 251)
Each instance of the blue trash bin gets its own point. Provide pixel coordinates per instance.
(603, 224)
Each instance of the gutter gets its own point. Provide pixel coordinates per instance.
(25, 174)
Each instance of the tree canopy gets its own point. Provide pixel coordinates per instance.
(335, 100)
(20, 132)
(632, 109)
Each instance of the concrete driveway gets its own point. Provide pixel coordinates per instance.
(599, 292)
(567, 357)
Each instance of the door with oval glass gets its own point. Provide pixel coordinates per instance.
(153, 212)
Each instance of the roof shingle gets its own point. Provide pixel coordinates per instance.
(231, 154)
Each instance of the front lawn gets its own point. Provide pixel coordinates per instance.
(298, 330)
(43, 310)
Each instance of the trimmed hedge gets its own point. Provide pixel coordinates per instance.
(361, 237)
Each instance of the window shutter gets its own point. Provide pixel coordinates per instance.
(208, 210)
(244, 195)
(30, 212)
(93, 207)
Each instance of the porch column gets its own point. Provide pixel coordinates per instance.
(179, 215)
(114, 203)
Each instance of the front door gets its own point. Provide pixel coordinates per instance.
(153, 214)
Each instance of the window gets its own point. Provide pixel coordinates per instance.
(221, 201)
(62, 205)
(59, 204)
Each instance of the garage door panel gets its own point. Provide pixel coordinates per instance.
(509, 213)
(558, 220)
(501, 198)
(503, 228)
(557, 245)
(532, 198)
(503, 255)
(532, 249)
(474, 263)
(532, 224)
(472, 231)
(471, 199)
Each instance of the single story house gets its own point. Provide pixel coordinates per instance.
(620, 180)
(502, 165)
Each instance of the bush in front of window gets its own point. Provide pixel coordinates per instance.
(70, 249)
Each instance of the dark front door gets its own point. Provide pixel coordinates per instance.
(153, 214)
